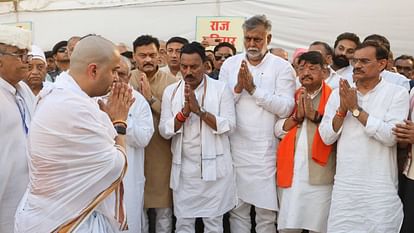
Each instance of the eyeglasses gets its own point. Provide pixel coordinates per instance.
(62, 50)
(219, 57)
(22, 56)
(362, 61)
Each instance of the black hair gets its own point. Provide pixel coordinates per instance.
(347, 36)
(381, 52)
(380, 39)
(313, 57)
(177, 39)
(194, 47)
(146, 40)
(328, 49)
(225, 44)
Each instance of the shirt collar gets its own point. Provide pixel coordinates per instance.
(312, 96)
(7, 86)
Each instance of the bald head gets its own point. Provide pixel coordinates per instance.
(92, 49)
(94, 64)
(280, 53)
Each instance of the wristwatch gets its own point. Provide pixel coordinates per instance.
(121, 130)
(356, 112)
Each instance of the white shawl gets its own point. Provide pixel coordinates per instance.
(74, 164)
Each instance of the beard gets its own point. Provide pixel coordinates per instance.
(254, 53)
(340, 61)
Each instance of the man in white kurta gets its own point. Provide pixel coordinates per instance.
(16, 101)
(139, 132)
(77, 161)
(202, 177)
(268, 94)
(364, 196)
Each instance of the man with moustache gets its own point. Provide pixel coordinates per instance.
(389, 76)
(138, 134)
(405, 65)
(332, 79)
(16, 101)
(151, 82)
(77, 148)
(198, 114)
(174, 45)
(37, 70)
(360, 120)
(263, 87)
(305, 165)
(344, 49)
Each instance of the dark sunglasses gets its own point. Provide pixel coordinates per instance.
(222, 56)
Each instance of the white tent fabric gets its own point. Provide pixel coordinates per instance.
(295, 23)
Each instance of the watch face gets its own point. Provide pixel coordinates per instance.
(355, 112)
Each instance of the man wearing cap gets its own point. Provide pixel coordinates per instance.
(16, 101)
(37, 70)
(62, 60)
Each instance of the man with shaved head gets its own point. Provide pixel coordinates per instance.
(77, 147)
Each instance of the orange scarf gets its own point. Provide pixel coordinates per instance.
(286, 149)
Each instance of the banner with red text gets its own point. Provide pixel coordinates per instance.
(215, 29)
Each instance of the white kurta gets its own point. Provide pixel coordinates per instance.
(72, 159)
(198, 192)
(253, 143)
(396, 78)
(364, 196)
(302, 206)
(14, 172)
(139, 133)
(333, 79)
(346, 73)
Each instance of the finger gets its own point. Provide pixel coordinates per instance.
(102, 105)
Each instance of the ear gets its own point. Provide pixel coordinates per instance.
(383, 64)
(92, 70)
(269, 38)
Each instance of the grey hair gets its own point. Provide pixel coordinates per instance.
(256, 21)
(128, 62)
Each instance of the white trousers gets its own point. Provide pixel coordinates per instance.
(211, 225)
(240, 219)
(294, 231)
(163, 220)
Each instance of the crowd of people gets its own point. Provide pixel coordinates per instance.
(97, 138)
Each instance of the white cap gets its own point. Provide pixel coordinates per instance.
(38, 53)
(15, 36)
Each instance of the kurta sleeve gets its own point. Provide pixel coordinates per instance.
(328, 135)
(224, 76)
(279, 132)
(226, 119)
(166, 126)
(381, 129)
(140, 123)
(281, 100)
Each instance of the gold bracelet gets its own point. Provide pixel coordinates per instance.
(120, 122)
